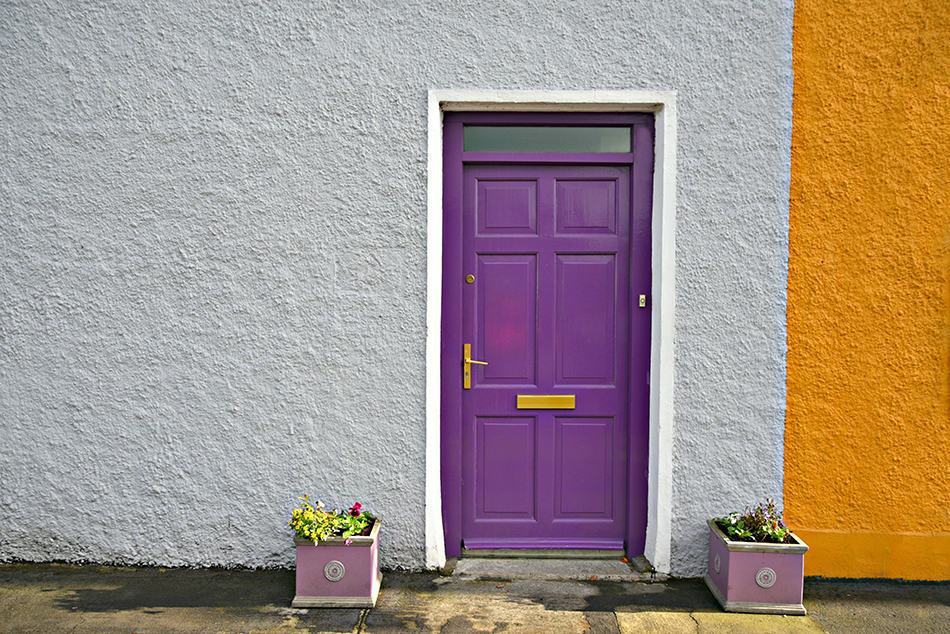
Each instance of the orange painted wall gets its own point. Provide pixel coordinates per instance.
(867, 452)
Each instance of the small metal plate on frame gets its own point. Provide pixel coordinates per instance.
(545, 401)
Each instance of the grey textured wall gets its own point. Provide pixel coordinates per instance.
(213, 257)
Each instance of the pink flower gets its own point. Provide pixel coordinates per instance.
(347, 541)
(355, 509)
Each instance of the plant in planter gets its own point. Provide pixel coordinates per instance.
(756, 563)
(337, 556)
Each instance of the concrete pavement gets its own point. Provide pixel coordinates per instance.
(59, 597)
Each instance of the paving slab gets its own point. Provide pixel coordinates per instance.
(647, 621)
(471, 606)
(728, 622)
(703, 622)
(878, 605)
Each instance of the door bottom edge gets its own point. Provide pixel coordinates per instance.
(541, 553)
(477, 547)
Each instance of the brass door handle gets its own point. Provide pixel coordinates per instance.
(467, 362)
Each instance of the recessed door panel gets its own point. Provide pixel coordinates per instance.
(586, 206)
(507, 207)
(507, 319)
(586, 319)
(505, 473)
(584, 468)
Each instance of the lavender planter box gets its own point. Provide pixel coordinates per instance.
(333, 575)
(754, 576)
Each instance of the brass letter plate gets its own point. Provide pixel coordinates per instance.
(545, 401)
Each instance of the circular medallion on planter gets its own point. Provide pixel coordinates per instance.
(334, 570)
(765, 577)
(717, 562)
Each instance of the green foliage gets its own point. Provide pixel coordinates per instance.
(315, 524)
(762, 523)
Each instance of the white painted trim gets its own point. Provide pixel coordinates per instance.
(663, 103)
(435, 537)
(660, 486)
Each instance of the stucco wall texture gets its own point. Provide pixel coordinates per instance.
(213, 257)
(867, 480)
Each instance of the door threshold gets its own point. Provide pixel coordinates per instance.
(541, 553)
(511, 569)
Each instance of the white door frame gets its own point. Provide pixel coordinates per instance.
(663, 105)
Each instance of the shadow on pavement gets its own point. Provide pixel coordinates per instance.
(174, 588)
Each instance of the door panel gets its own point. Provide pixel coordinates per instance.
(548, 311)
(506, 319)
(586, 206)
(507, 207)
(584, 450)
(509, 493)
(586, 319)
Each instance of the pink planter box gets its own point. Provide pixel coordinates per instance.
(333, 575)
(755, 576)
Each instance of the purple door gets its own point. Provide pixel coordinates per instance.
(547, 311)
(545, 282)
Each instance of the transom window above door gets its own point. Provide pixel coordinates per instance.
(571, 139)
